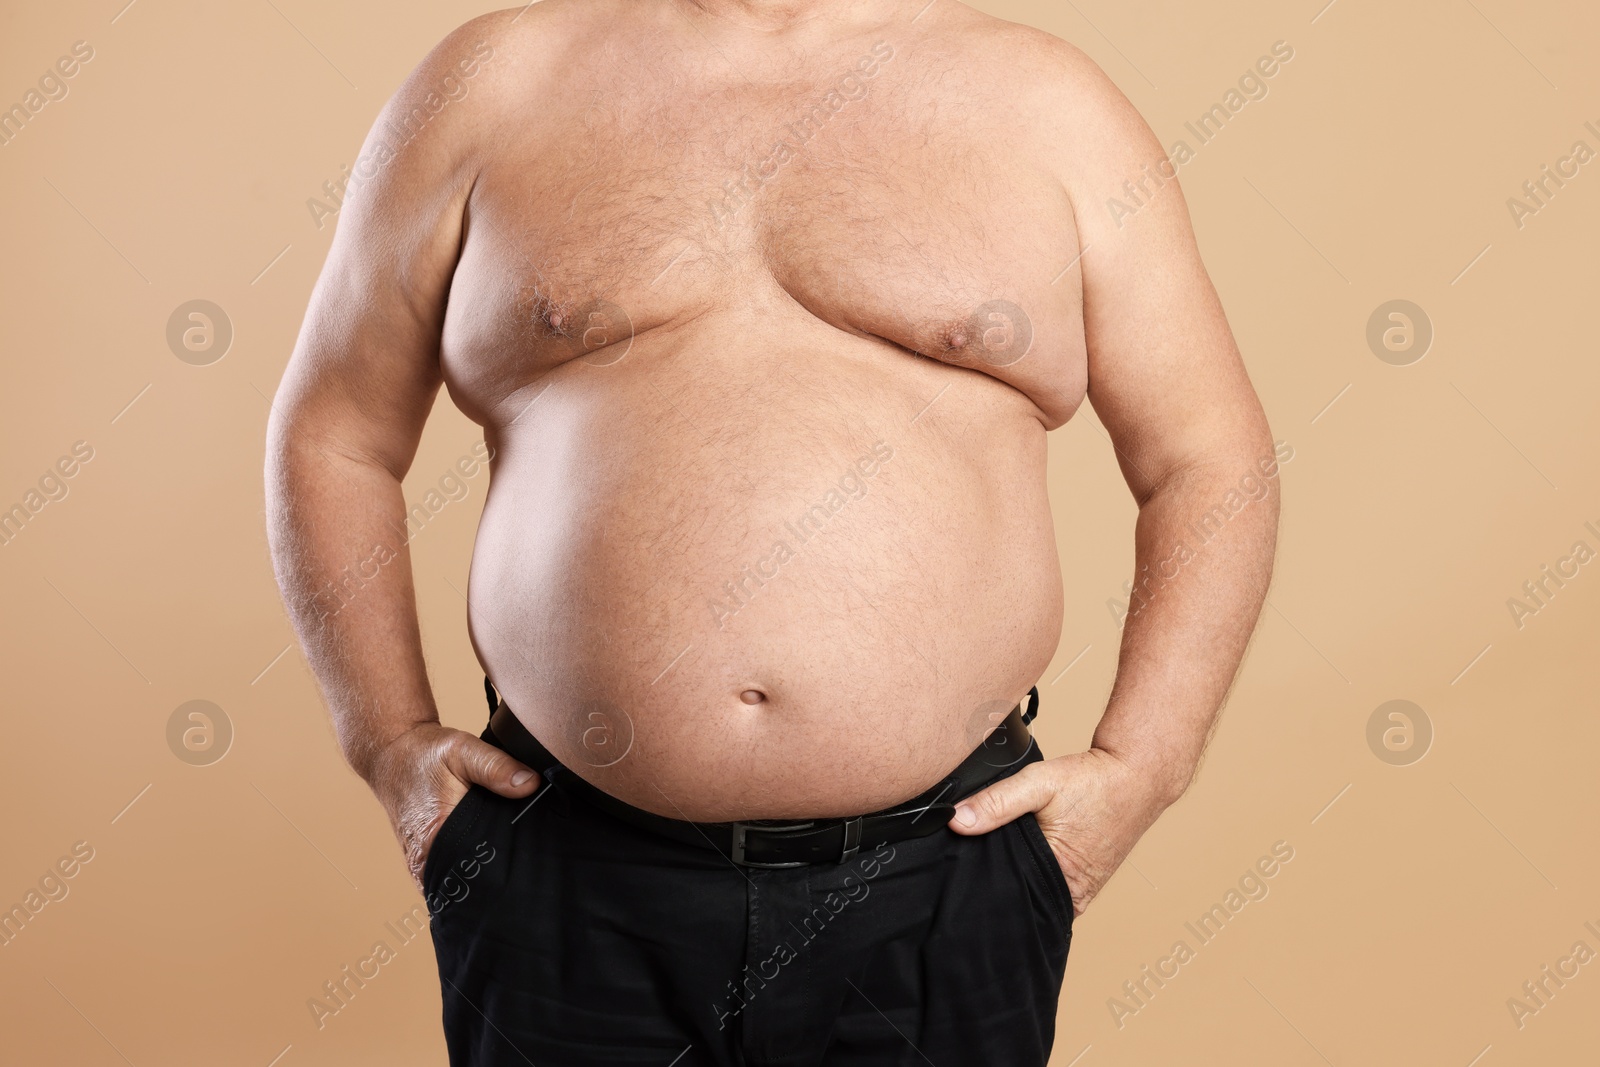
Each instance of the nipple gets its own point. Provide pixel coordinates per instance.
(752, 696)
(553, 318)
(954, 341)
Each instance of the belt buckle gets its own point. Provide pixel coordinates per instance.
(852, 838)
(738, 856)
(848, 847)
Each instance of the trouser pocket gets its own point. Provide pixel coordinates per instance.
(453, 847)
(1046, 866)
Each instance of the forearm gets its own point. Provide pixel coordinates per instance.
(1203, 561)
(337, 530)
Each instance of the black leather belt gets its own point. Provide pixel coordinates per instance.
(790, 843)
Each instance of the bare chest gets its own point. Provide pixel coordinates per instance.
(866, 200)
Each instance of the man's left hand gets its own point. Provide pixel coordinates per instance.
(1092, 806)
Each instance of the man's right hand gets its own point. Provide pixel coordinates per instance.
(421, 776)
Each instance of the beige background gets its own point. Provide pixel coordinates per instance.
(1377, 168)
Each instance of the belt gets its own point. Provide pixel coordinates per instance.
(772, 843)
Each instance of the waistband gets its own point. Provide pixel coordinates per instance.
(777, 843)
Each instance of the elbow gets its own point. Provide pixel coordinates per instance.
(283, 430)
(1244, 470)
(283, 466)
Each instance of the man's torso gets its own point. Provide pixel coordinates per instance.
(766, 338)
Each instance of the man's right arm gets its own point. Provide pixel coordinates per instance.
(344, 429)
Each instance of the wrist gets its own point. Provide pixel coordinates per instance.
(373, 759)
(1151, 781)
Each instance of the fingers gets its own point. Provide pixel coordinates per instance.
(1027, 790)
(475, 760)
(416, 830)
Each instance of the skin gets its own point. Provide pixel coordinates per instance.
(668, 386)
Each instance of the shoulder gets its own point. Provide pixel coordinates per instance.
(445, 118)
(509, 54)
(1064, 88)
(1025, 57)
(1038, 87)
(1077, 124)
(503, 52)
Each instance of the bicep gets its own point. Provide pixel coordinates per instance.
(1165, 374)
(365, 368)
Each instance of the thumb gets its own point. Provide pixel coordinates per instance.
(1001, 802)
(475, 760)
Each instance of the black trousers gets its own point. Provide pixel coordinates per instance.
(567, 938)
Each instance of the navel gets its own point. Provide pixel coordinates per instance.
(753, 696)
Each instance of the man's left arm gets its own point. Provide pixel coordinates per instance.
(1192, 441)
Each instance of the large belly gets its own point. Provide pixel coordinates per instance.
(858, 536)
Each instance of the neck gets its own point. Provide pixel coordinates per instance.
(774, 14)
